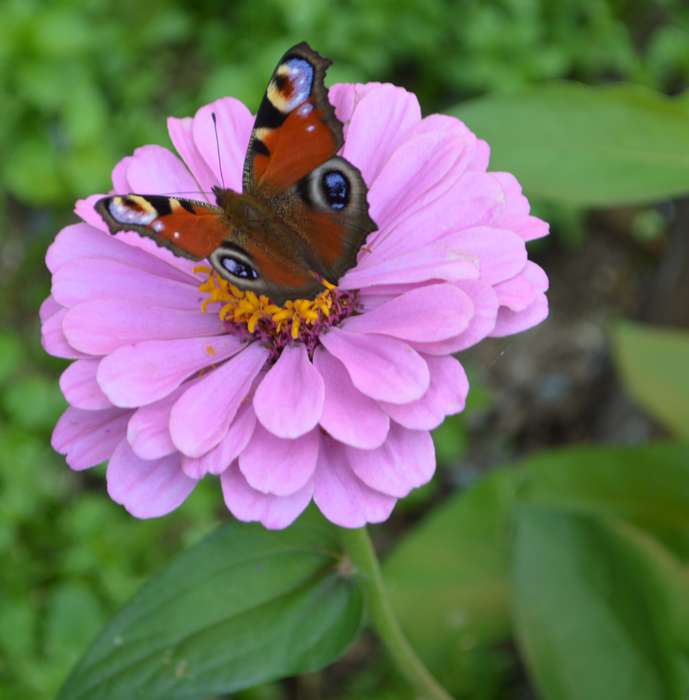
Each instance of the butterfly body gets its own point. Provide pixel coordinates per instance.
(302, 215)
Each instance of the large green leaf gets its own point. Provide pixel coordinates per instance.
(449, 584)
(598, 609)
(449, 577)
(654, 363)
(243, 607)
(587, 145)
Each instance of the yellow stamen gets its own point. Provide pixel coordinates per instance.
(249, 309)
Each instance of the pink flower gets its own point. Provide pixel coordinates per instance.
(341, 415)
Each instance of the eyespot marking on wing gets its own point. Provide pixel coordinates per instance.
(132, 209)
(336, 189)
(235, 265)
(291, 85)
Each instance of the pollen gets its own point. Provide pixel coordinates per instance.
(297, 320)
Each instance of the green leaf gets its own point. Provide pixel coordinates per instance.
(449, 578)
(654, 364)
(647, 486)
(243, 607)
(587, 145)
(596, 608)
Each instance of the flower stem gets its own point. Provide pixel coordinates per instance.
(363, 555)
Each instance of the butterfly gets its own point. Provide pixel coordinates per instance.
(302, 215)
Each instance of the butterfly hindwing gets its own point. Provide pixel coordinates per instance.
(296, 128)
(330, 212)
(188, 228)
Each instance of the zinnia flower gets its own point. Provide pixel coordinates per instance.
(176, 374)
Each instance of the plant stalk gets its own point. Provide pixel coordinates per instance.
(363, 556)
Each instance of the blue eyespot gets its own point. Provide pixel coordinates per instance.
(335, 189)
(238, 268)
(300, 76)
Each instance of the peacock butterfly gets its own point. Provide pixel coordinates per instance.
(302, 215)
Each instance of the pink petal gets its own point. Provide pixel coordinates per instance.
(426, 165)
(234, 123)
(381, 120)
(201, 417)
(480, 156)
(445, 396)
(88, 279)
(155, 170)
(88, 438)
(85, 209)
(441, 260)
(414, 175)
(383, 368)
(341, 496)
(485, 303)
(510, 322)
(147, 488)
(82, 241)
(405, 461)
(471, 201)
(342, 96)
(445, 124)
(348, 415)
(220, 457)
(345, 97)
(148, 431)
(48, 308)
(101, 326)
(515, 212)
(79, 385)
(502, 254)
(519, 291)
(276, 466)
(53, 337)
(182, 138)
(289, 399)
(532, 228)
(430, 313)
(249, 505)
(136, 375)
(120, 184)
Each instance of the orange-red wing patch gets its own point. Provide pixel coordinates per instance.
(189, 229)
(296, 128)
(284, 276)
(302, 143)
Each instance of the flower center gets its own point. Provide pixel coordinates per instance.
(301, 320)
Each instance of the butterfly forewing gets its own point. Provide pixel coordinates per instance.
(296, 128)
(188, 228)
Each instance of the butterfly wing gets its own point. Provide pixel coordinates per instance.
(291, 163)
(197, 230)
(330, 213)
(296, 128)
(189, 229)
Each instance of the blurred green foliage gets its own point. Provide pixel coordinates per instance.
(83, 82)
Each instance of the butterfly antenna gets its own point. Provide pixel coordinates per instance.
(217, 147)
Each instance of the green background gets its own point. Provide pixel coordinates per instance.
(82, 83)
